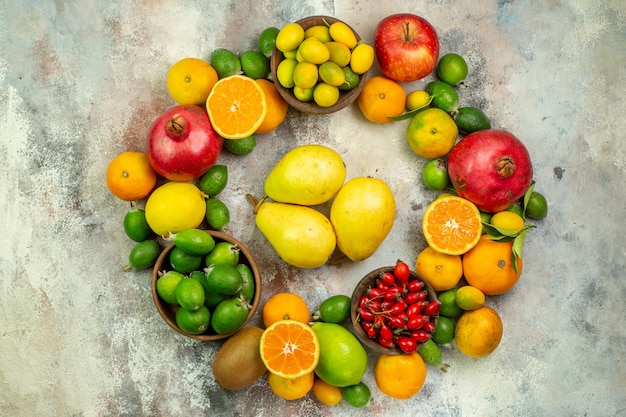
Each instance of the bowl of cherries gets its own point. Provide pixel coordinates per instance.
(394, 310)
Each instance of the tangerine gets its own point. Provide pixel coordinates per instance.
(130, 176)
(400, 376)
(381, 98)
(489, 266)
(452, 225)
(432, 133)
(285, 306)
(478, 332)
(190, 80)
(440, 270)
(276, 107)
(290, 349)
(327, 394)
(291, 389)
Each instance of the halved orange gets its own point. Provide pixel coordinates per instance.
(452, 225)
(236, 106)
(289, 349)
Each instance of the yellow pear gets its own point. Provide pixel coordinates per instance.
(302, 236)
(362, 214)
(307, 175)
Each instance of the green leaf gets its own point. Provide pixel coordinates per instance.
(518, 244)
(527, 198)
(411, 113)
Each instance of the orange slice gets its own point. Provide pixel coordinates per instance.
(452, 225)
(236, 106)
(289, 349)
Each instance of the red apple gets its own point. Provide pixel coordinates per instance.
(182, 144)
(407, 47)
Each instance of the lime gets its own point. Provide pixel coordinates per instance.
(255, 65)
(305, 74)
(135, 225)
(445, 97)
(444, 330)
(332, 73)
(435, 174)
(267, 40)
(452, 69)
(325, 95)
(289, 37)
(143, 255)
(343, 359)
(430, 353)
(214, 180)
(338, 53)
(166, 286)
(284, 72)
(469, 298)
(217, 213)
(241, 146)
(193, 322)
(471, 119)
(537, 206)
(516, 208)
(314, 51)
(229, 315)
(190, 294)
(223, 253)
(225, 62)
(224, 279)
(358, 395)
(182, 262)
(303, 94)
(352, 79)
(248, 285)
(448, 307)
(335, 309)
(418, 99)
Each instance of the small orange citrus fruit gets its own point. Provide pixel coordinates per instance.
(440, 270)
(381, 98)
(190, 80)
(285, 306)
(290, 349)
(478, 332)
(276, 107)
(327, 394)
(291, 388)
(130, 176)
(452, 225)
(400, 376)
(489, 266)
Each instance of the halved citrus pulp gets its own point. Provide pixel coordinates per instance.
(289, 349)
(452, 225)
(236, 106)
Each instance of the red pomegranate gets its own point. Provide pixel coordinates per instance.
(182, 144)
(491, 168)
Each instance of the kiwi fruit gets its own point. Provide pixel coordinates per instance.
(237, 363)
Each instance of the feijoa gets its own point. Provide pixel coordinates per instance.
(358, 395)
(334, 309)
(214, 180)
(193, 241)
(240, 146)
(135, 224)
(217, 213)
(193, 322)
(182, 262)
(143, 255)
(190, 294)
(229, 315)
(166, 286)
(223, 253)
(430, 352)
(248, 286)
(471, 119)
(445, 96)
(223, 279)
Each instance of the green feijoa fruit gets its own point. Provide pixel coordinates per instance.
(240, 146)
(445, 96)
(471, 119)
(334, 309)
(143, 255)
(193, 241)
(452, 68)
(430, 352)
(214, 180)
(201, 278)
(248, 286)
(135, 224)
(190, 294)
(223, 253)
(448, 307)
(358, 395)
(182, 262)
(217, 213)
(166, 286)
(435, 174)
(213, 298)
(223, 279)
(444, 331)
(229, 315)
(193, 322)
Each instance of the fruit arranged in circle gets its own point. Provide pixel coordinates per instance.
(190, 80)
(418, 99)
(135, 225)
(236, 106)
(225, 62)
(381, 98)
(290, 349)
(334, 309)
(130, 176)
(214, 180)
(435, 174)
(190, 294)
(175, 206)
(400, 376)
(143, 255)
(357, 395)
(452, 68)
(432, 133)
(489, 266)
(507, 222)
(342, 358)
(452, 225)
(229, 315)
(444, 96)
(537, 206)
(267, 40)
(255, 65)
(285, 306)
(471, 119)
(166, 286)
(277, 107)
(193, 321)
(469, 298)
(478, 332)
(241, 146)
(291, 388)
(440, 270)
(327, 394)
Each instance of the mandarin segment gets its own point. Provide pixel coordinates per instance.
(452, 225)
(289, 349)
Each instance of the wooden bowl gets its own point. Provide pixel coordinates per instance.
(345, 97)
(370, 281)
(168, 312)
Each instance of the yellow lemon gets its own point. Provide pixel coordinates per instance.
(175, 206)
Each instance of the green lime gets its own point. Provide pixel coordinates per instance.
(223, 253)
(182, 262)
(255, 65)
(193, 241)
(193, 322)
(214, 180)
(190, 294)
(240, 146)
(217, 213)
(248, 285)
(449, 308)
(229, 315)
(435, 174)
(471, 119)
(267, 40)
(351, 79)
(135, 225)
(343, 359)
(303, 94)
(224, 279)
(335, 309)
(358, 395)
(445, 97)
(452, 69)
(166, 286)
(225, 62)
(485, 217)
(430, 352)
(515, 208)
(537, 206)
(143, 255)
(444, 330)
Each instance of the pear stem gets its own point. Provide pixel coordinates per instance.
(255, 203)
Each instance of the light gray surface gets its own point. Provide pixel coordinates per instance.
(81, 81)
